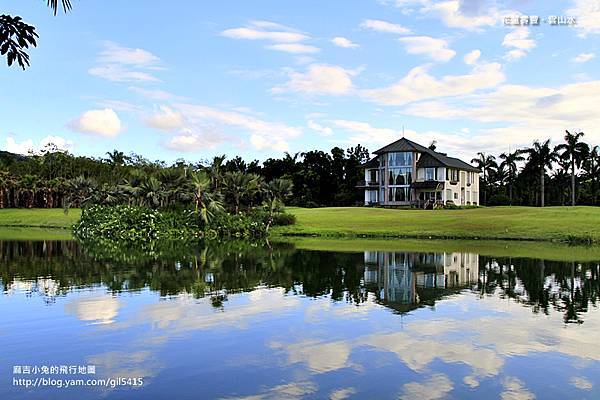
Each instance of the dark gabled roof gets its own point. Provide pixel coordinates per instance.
(427, 160)
(402, 145)
(372, 163)
(432, 158)
(453, 162)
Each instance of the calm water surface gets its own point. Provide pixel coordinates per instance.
(240, 321)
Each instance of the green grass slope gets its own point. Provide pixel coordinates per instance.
(573, 224)
(38, 217)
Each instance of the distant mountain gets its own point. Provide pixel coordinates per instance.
(7, 157)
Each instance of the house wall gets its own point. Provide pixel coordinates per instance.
(465, 191)
(461, 192)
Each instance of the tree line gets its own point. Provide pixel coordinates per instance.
(53, 178)
(568, 173)
(565, 174)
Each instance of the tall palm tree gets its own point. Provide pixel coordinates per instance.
(509, 162)
(216, 171)
(575, 152)
(541, 156)
(591, 167)
(485, 163)
(152, 192)
(240, 186)
(207, 203)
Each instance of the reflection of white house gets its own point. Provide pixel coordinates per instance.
(406, 173)
(398, 275)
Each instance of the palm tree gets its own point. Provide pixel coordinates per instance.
(591, 167)
(485, 163)
(509, 162)
(541, 156)
(276, 192)
(574, 151)
(207, 203)
(240, 186)
(215, 170)
(151, 192)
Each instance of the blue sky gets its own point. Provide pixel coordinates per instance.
(189, 79)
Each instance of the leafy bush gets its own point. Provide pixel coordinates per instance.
(237, 225)
(142, 224)
(283, 218)
(279, 218)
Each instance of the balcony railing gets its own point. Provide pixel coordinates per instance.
(367, 184)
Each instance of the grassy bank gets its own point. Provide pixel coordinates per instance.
(38, 218)
(492, 248)
(569, 224)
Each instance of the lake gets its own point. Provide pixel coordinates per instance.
(281, 321)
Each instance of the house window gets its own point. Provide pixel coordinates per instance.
(373, 175)
(430, 174)
(455, 196)
(469, 178)
(398, 194)
(373, 196)
(400, 176)
(402, 159)
(451, 174)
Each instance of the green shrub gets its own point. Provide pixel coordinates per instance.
(282, 219)
(142, 224)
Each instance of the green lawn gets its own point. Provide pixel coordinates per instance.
(492, 248)
(528, 223)
(38, 217)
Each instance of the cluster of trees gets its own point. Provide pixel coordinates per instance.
(568, 173)
(54, 178)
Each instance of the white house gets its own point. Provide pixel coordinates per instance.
(404, 173)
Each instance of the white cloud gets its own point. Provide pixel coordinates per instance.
(49, 142)
(472, 57)
(514, 389)
(294, 48)
(524, 113)
(153, 94)
(436, 387)
(436, 49)
(319, 79)
(320, 129)
(189, 140)
(454, 15)
(104, 122)
(587, 14)
(259, 33)
(344, 42)
(96, 310)
(117, 73)
(165, 119)
(519, 42)
(583, 57)
(122, 64)
(116, 54)
(419, 85)
(367, 134)
(383, 26)
(581, 383)
(203, 127)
